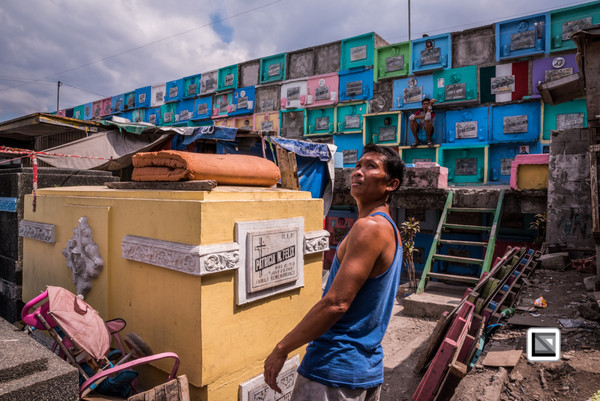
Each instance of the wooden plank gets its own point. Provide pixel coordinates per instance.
(184, 388)
(502, 358)
(472, 209)
(467, 243)
(289, 168)
(172, 390)
(453, 277)
(458, 259)
(467, 227)
(160, 393)
(196, 185)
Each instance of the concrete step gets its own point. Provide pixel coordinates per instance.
(28, 371)
(434, 301)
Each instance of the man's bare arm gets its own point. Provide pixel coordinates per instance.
(364, 244)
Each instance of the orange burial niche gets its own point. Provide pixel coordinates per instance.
(172, 165)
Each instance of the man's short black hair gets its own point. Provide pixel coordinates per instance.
(426, 99)
(392, 162)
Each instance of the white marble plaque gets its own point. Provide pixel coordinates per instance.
(322, 93)
(229, 79)
(266, 125)
(267, 105)
(456, 91)
(358, 53)
(395, 63)
(466, 130)
(256, 389)
(271, 257)
(293, 93)
(386, 134)
(431, 56)
(173, 91)
(242, 102)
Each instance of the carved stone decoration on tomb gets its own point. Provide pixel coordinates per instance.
(316, 241)
(38, 231)
(83, 257)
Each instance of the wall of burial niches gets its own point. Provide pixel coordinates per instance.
(485, 80)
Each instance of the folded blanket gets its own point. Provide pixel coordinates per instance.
(173, 165)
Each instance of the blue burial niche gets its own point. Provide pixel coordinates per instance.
(174, 91)
(431, 53)
(468, 126)
(409, 92)
(143, 96)
(116, 104)
(349, 149)
(522, 37)
(501, 157)
(516, 122)
(243, 101)
(202, 108)
(356, 84)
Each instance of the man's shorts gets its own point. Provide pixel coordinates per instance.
(308, 390)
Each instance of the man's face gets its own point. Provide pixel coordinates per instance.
(369, 178)
(425, 104)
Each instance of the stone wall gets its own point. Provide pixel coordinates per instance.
(16, 183)
(569, 212)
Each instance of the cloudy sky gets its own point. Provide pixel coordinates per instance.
(100, 49)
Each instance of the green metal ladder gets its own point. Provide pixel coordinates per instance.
(433, 256)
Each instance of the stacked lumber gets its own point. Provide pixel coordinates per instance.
(459, 336)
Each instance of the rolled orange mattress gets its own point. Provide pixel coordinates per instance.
(173, 165)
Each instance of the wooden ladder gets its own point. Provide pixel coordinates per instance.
(485, 263)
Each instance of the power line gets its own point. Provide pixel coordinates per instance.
(145, 45)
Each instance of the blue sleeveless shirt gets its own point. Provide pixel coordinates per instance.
(350, 353)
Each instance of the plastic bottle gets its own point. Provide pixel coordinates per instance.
(507, 312)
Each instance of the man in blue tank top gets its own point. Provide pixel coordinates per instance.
(344, 358)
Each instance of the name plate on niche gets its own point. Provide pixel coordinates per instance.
(395, 63)
(243, 102)
(267, 105)
(322, 123)
(522, 40)
(571, 120)
(271, 257)
(191, 90)
(352, 121)
(465, 166)
(503, 84)
(322, 93)
(431, 56)
(293, 93)
(350, 156)
(413, 95)
(209, 85)
(358, 53)
(553, 75)
(514, 124)
(466, 130)
(202, 109)
(573, 26)
(266, 125)
(274, 70)
(354, 88)
(387, 134)
(172, 92)
(456, 91)
(229, 80)
(505, 166)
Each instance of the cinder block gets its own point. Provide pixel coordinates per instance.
(554, 261)
(426, 175)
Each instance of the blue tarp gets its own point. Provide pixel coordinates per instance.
(210, 132)
(307, 149)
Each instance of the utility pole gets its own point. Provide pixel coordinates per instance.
(58, 95)
(409, 20)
